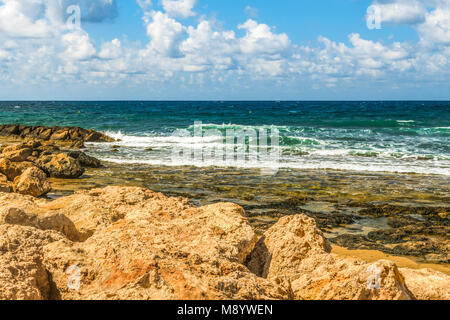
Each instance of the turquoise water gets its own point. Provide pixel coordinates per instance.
(369, 136)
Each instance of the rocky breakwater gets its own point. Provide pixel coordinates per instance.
(70, 136)
(25, 167)
(132, 243)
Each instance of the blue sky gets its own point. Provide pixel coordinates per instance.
(225, 50)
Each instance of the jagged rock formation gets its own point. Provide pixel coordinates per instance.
(32, 181)
(132, 243)
(74, 135)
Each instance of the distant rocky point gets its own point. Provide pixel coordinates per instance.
(75, 135)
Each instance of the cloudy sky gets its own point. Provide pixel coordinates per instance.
(225, 50)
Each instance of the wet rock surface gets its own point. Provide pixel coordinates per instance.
(422, 232)
(32, 181)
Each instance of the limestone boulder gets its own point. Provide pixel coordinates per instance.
(13, 169)
(159, 248)
(62, 134)
(33, 182)
(9, 130)
(78, 144)
(22, 273)
(85, 160)
(95, 136)
(121, 243)
(427, 284)
(295, 250)
(4, 185)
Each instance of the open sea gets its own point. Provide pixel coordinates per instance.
(384, 136)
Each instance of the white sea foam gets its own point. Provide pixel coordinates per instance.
(321, 154)
(305, 165)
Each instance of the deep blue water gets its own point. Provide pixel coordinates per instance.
(374, 136)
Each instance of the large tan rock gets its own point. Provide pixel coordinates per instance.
(95, 136)
(427, 284)
(295, 250)
(22, 274)
(33, 182)
(161, 248)
(31, 144)
(60, 135)
(85, 160)
(60, 166)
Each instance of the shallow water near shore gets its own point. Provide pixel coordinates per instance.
(398, 214)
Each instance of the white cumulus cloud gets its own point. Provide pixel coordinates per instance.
(36, 47)
(179, 8)
(401, 11)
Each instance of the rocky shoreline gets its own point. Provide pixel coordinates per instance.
(133, 243)
(74, 136)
